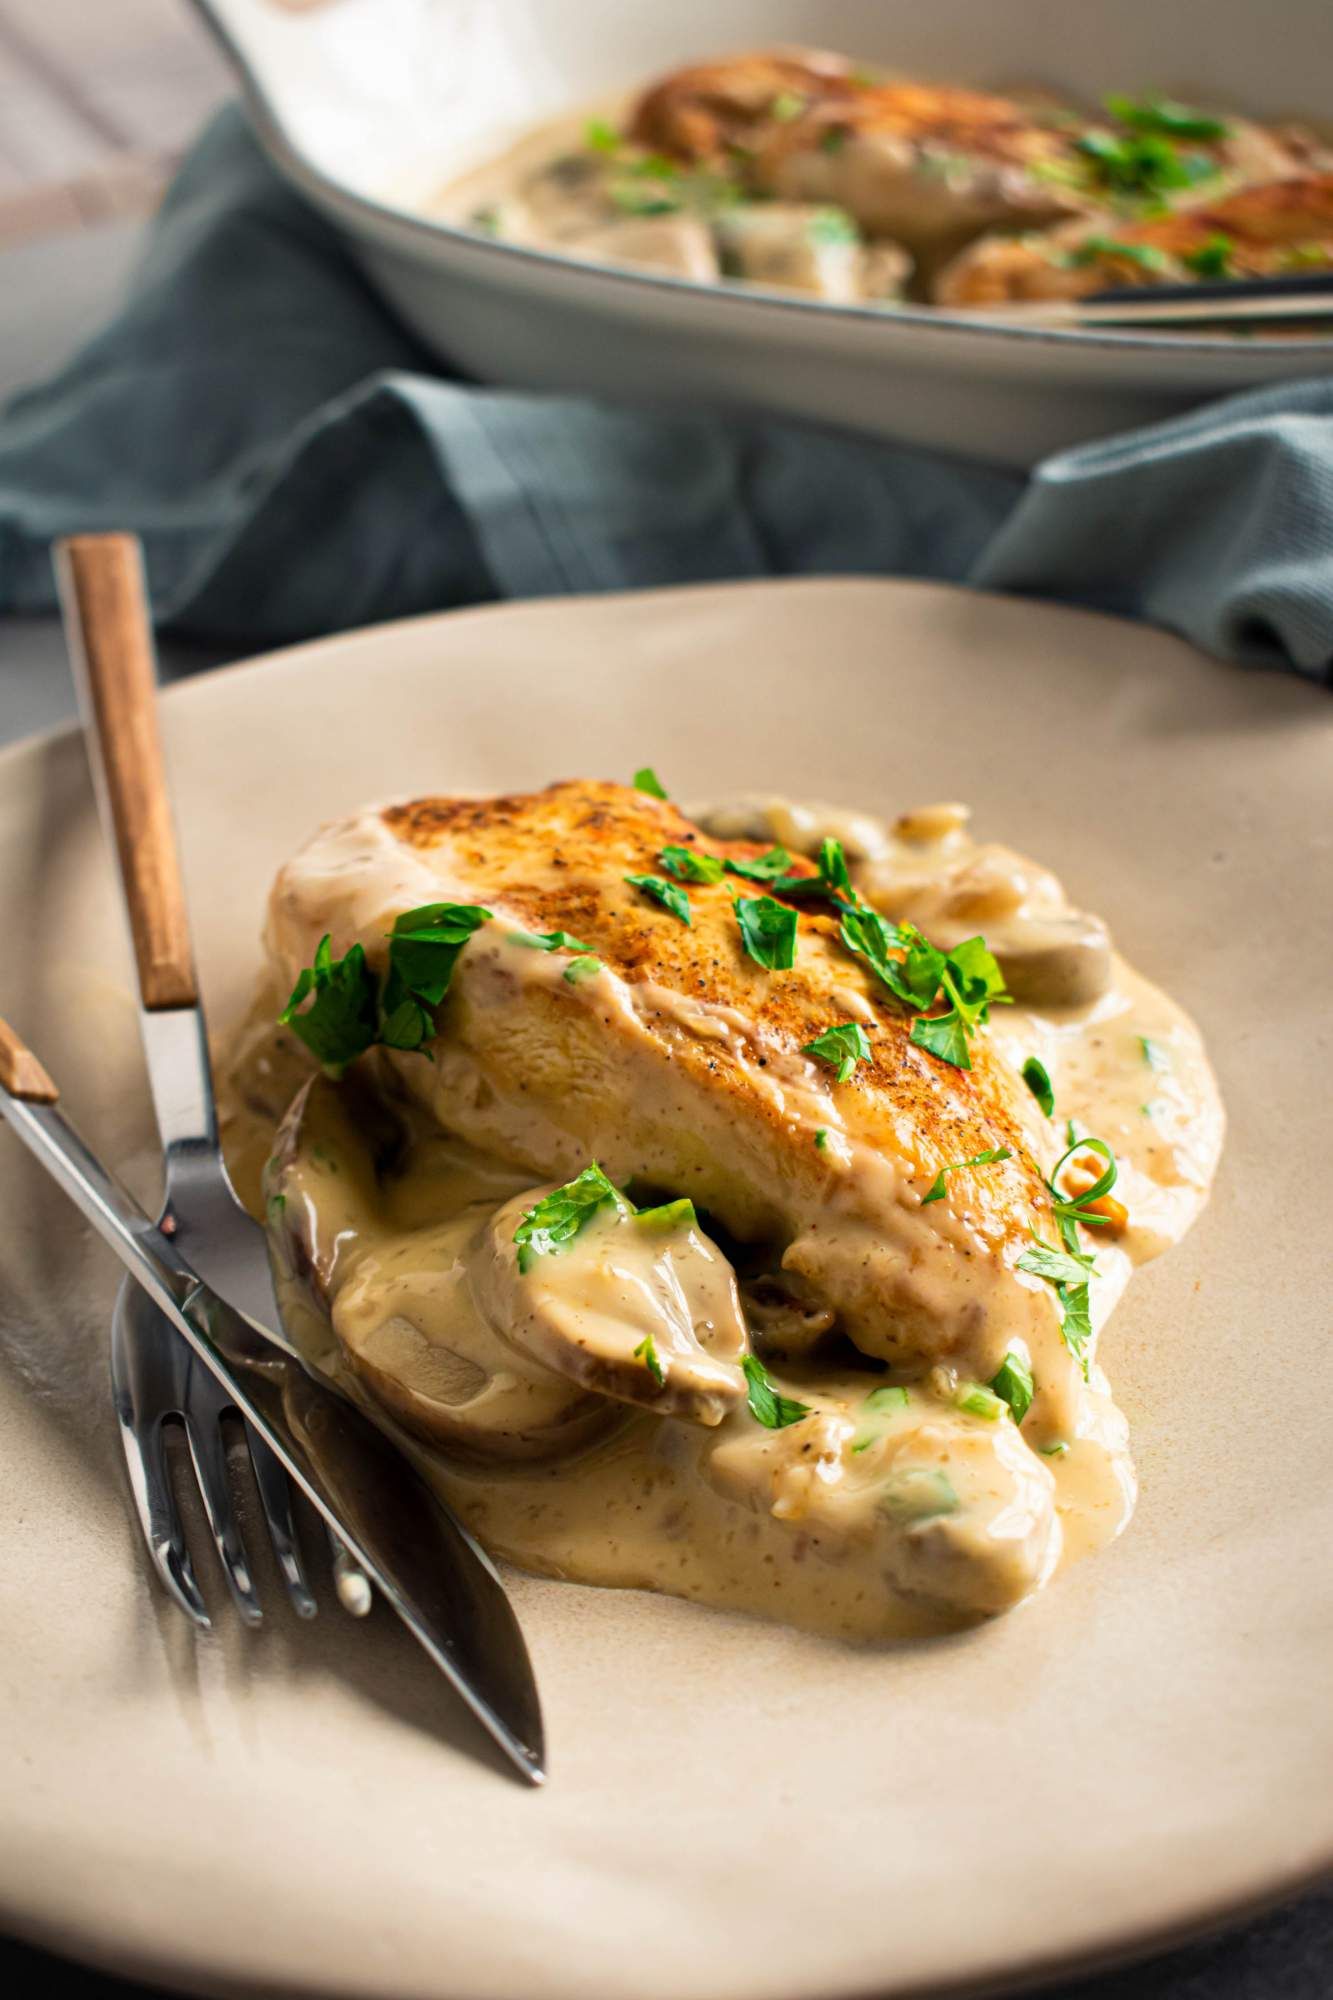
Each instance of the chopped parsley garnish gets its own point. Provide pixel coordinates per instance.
(631, 200)
(578, 969)
(647, 780)
(351, 1009)
(1058, 1267)
(548, 941)
(768, 931)
(1163, 115)
(832, 226)
(343, 1019)
(1053, 1450)
(688, 866)
(424, 947)
(774, 871)
(767, 1404)
(833, 869)
(1153, 1053)
(986, 1159)
(892, 1396)
(1146, 163)
(1069, 1268)
(834, 139)
(979, 1402)
(919, 1493)
(646, 1351)
(553, 1222)
(599, 137)
(1038, 1081)
(971, 979)
(669, 894)
(1013, 1384)
(1146, 255)
(880, 1407)
(787, 105)
(821, 1139)
(1213, 257)
(668, 1215)
(765, 868)
(841, 1047)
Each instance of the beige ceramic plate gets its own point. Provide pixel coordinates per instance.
(735, 1810)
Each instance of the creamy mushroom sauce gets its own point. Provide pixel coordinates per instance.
(890, 1509)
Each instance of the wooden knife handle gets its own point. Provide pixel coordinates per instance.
(111, 647)
(21, 1073)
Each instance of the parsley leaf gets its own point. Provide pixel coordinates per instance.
(841, 1047)
(821, 1139)
(599, 137)
(833, 868)
(548, 941)
(424, 946)
(668, 1215)
(553, 1222)
(343, 1019)
(943, 1035)
(646, 1351)
(979, 1401)
(765, 868)
(669, 894)
(582, 968)
(767, 1404)
(1013, 1384)
(1153, 1054)
(1146, 255)
(1038, 1081)
(1068, 1271)
(1164, 115)
(1146, 163)
(768, 931)
(1058, 1267)
(1212, 259)
(647, 780)
(868, 935)
(986, 1159)
(687, 866)
(1076, 1326)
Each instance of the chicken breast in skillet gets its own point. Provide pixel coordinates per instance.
(932, 166)
(662, 1049)
(1256, 232)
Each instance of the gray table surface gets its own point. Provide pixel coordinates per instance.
(52, 294)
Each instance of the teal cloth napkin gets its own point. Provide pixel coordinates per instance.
(295, 464)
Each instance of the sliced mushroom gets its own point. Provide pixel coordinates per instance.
(633, 1307)
(401, 1299)
(792, 248)
(681, 244)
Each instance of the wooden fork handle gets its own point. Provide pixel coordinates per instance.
(20, 1072)
(111, 647)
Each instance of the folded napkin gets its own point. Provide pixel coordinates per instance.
(296, 464)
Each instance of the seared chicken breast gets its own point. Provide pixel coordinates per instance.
(681, 1064)
(932, 166)
(1256, 232)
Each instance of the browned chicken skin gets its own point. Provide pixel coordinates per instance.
(680, 1063)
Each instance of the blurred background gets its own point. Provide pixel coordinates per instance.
(98, 99)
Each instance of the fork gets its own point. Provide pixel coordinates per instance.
(156, 1379)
